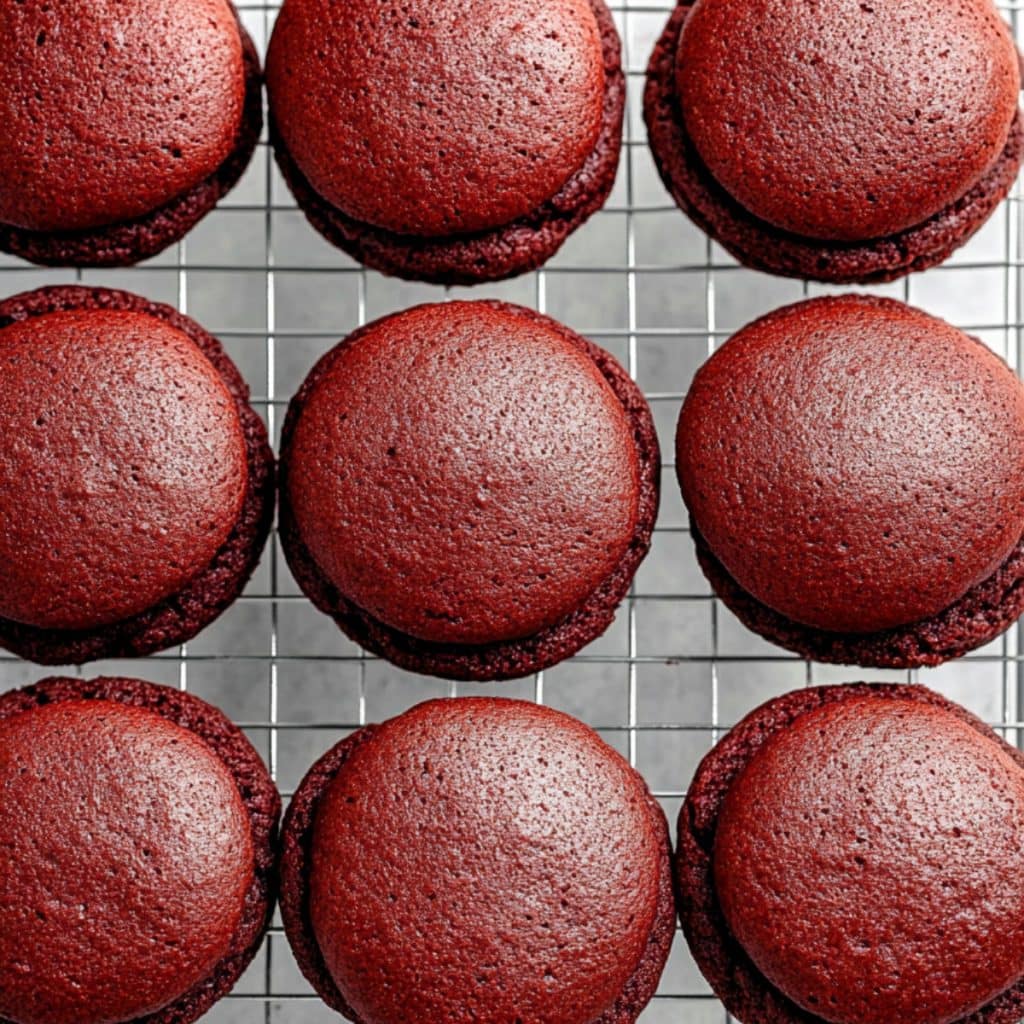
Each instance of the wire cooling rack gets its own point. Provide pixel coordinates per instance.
(676, 669)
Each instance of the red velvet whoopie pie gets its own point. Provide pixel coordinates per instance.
(138, 481)
(468, 489)
(854, 472)
(852, 855)
(847, 141)
(478, 859)
(123, 123)
(136, 868)
(447, 140)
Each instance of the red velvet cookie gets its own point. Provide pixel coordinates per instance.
(124, 122)
(447, 141)
(853, 142)
(534, 880)
(854, 472)
(135, 872)
(852, 855)
(140, 480)
(468, 489)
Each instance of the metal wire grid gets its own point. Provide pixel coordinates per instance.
(676, 669)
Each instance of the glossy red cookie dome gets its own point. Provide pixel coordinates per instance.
(854, 463)
(484, 859)
(849, 120)
(437, 117)
(868, 860)
(463, 473)
(111, 108)
(125, 462)
(124, 865)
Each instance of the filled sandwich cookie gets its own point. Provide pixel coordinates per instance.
(452, 141)
(852, 855)
(854, 142)
(468, 489)
(124, 123)
(140, 482)
(136, 871)
(532, 879)
(854, 473)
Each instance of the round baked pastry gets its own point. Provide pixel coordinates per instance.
(139, 483)
(468, 489)
(478, 859)
(447, 140)
(854, 142)
(136, 868)
(124, 122)
(854, 471)
(852, 855)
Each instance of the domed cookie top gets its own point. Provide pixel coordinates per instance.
(112, 108)
(124, 866)
(462, 472)
(125, 462)
(847, 120)
(527, 846)
(854, 463)
(437, 117)
(868, 860)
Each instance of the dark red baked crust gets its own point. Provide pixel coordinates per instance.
(296, 842)
(130, 242)
(256, 788)
(489, 255)
(503, 660)
(983, 613)
(746, 994)
(177, 618)
(763, 247)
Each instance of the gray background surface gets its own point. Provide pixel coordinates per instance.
(676, 669)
